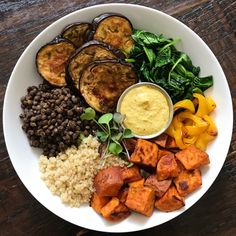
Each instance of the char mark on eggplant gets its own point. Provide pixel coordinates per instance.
(51, 59)
(114, 29)
(77, 33)
(102, 83)
(89, 52)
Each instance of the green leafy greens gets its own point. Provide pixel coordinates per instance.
(158, 61)
(110, 131)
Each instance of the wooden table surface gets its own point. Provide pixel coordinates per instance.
(21, 21)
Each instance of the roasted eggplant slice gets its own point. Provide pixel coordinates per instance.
(114, 29)
(102, 83)
(51, 59)
(89, 52)
(77, 33)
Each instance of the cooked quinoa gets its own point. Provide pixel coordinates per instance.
(70, 174)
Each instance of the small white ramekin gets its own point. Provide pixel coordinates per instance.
(169, 101)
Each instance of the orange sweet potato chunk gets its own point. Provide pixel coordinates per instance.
(131, 174)
(120, 213)
(108, 182)
(130, 144)
(110, 207)
(161, 140)
(114, 210)
(160, 187)
(163, 152)
(97, 202)
(188, 181)
(167, 167)
(170, 201)
(138, 183)
(145, 153)
(192, 157)
(123, 195)
(171, 144)
(141, 199)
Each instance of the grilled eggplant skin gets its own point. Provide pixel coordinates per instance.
(102, 83)
(51, 59)
(114, 29)
(77, 33)
(89, 52)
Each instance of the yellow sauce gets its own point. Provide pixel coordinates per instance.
(146, 110)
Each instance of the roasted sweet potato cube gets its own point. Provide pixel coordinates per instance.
(98, 202)
(120, 213)
(188, 181)
(159, 186)
(180, 165)
(110, 207)
(114, 210)
(170, 201)
(163, 152)
(145, 153)
(167, 167)
(131, 174)
(161, 140)
(171, 144)
(138, 183)
(108, 182)
(130, 144)
(192, 157)
(141, 199)
(123, 195)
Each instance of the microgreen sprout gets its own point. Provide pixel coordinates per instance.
(110, 131)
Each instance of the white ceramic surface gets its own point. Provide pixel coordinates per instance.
(25, 159)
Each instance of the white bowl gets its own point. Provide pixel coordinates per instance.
(25, 159)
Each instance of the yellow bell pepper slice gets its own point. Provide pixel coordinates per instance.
(202, 105)
(211, 104)
(182, 116)
(175, 131)
(177, 122)
(208, 136)
(193, 127)
(188, 122)
(212, 129)
(185, 104)
(195, 130)
(203, 140)
(178, 139)
(171, 130)
(190, 140)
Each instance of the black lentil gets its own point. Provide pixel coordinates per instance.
(51, 118)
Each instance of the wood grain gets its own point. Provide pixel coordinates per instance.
(214, 21)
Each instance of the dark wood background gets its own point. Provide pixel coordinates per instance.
(21, 21)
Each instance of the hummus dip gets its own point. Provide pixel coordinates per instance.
(146, 110)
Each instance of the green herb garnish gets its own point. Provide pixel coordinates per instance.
(110, 131)
(159, 62)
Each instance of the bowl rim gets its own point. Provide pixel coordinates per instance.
(7, 135)
(168, 99)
